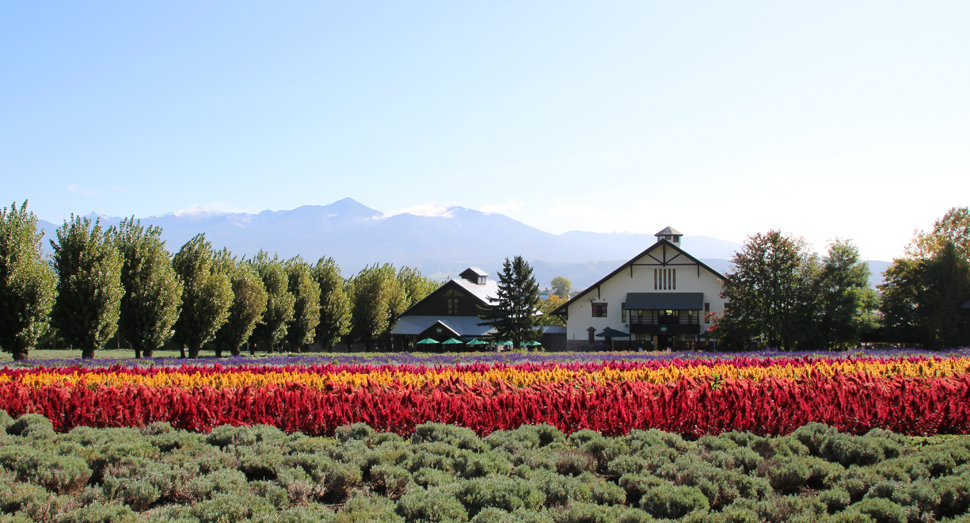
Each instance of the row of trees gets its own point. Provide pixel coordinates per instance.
(122, 282)
(783, 295)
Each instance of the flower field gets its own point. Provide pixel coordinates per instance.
(767, 395)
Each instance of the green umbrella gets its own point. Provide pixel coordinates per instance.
(533, 343)
(426, 341)
(452, 341)
(503, 343)
(477, 341)
(610, 332)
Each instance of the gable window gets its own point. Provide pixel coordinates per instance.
(451, 301)
(599, 310)
(665, 279)
(452, 305)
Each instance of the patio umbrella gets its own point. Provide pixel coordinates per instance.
(426, 341)
(477, 341)
(533, 343)
(610, 333)
(452, 341)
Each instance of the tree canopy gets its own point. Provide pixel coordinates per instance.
(248, 303)
(28, 284)
(280, 302)
(561, 287)
(335, 315)
(89, 289)
(206, 295)
(306, 304)
(153, 292)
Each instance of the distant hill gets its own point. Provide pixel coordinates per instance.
(355, 236)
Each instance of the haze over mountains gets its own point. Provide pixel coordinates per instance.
(441, 245)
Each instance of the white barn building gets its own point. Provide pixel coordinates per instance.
(662, 298)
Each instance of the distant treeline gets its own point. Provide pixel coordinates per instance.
(121, 285)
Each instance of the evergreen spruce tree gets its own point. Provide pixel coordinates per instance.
(89, 287)
(28, 284)
(513, 313)
(153, 292)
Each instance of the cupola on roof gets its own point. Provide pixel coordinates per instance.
(670, 234)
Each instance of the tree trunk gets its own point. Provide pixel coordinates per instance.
(19, 355)
(182, 352)
(137, 354)
(235, 352)
(193, 353)
(87, 354)
(148, 353)
(218, 353)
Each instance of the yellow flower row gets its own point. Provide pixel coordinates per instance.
(389, 377)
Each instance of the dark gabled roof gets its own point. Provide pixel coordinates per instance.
(480, 292)
(565, 306)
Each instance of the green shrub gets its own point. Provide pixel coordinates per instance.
(460, 437)
(575, 462)
(389, 479)
(231, 508)
(918, 496)
(436, 455)
(590, 513)
(856, 450)
(357, 431)
(835, 500)
(471, 465)
(621, 465)
(16, 496)
(673, 501)
(5, 420)
(368, 509)
(260, 462)
(508, 494)
(303, 514)
(635, 485)
(855, 480)
(99, 513)
(428, 477)
(815, 437)
(431, 505)
(31, 426)
(225, 481)
(881, 510)
(954, 493)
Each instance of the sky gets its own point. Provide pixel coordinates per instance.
(725, 119)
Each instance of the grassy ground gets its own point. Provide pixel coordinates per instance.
(115, 354)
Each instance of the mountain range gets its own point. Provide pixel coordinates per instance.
(440, 246)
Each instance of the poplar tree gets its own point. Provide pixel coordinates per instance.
(248, 303)
(377, 302)
(414, 285)
(335, 317)
(28, 284)
(89, 289)
(513, 312)
(306, 305)
(280, 303)
(153, 292)
(206, 295)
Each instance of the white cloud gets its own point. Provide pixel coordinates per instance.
(572, 210)
(76, 188)
(512, 207)
(428, 209)
(118, 189)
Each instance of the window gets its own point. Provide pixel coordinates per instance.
(451, 301)
(599, 310)
(707, 309)
(622, 313)
(665, 279)
(452, 306)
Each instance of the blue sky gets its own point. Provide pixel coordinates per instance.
(823, 119)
